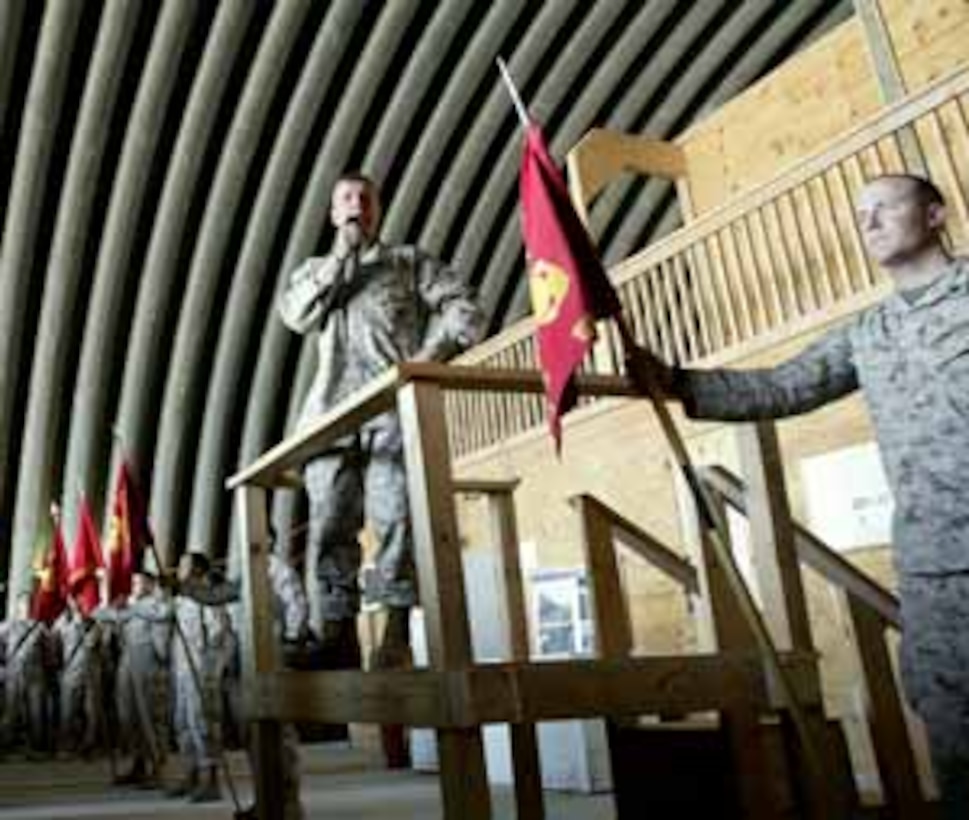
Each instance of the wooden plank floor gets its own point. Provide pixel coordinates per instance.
(338, 784)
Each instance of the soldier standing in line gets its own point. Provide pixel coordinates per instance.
(77, 644)
(291, 622)
(142, 623)
(197, 687)
(26, 686)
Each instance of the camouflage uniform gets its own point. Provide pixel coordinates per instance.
(81, 698)
(25, 682)
(910, 357)
(291, 612)
(392, 304)
(145, 629)
(197, 713)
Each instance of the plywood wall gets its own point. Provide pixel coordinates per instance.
(816, 96)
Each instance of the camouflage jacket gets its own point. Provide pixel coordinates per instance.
(395, 304)
(911, 361)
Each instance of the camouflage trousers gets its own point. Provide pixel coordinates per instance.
(25, 710)
(935, 673)
(142, 706)
(364, 481)
(81, 703)
(198, 719)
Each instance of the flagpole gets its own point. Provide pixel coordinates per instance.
(515, 96)
(715, 526)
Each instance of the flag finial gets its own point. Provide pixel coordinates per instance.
(515, 96)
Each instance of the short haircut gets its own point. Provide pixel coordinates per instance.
(927, 191)
(200, 561)
(357, 176)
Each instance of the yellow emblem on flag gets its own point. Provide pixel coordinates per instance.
(548, 285)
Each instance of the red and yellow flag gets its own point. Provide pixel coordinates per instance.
(568, 285)
(50, 594)
(85, 560)
(126, 536)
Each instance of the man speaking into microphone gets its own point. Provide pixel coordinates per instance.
(373, 306)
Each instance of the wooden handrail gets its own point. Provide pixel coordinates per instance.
(643, 544)
(273, 467)
(815, 553)
(782, 260)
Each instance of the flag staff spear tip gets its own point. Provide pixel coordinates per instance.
(515, 96)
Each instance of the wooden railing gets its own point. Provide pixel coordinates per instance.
(776, 262)
(455, 694)
(870, 611)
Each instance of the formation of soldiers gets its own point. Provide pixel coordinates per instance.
(139, 680)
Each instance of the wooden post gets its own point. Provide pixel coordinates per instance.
(259, 658)
(776, 563)
(719, 622)
(888, 74)
(772, 538)
(524, 740)
(886, 717)
(464, 782)
(613, 630)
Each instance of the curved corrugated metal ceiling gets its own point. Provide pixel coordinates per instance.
(163, 164)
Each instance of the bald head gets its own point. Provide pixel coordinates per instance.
(901, 219)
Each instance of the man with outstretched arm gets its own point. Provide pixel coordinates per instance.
(909, 356)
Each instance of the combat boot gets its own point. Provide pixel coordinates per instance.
(135, 776)
(394, 651)
(340, 645)
(187, 785)
(207, 790)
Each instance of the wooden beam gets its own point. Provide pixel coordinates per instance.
(274, 468)
(437, 548)
(772, 538)
(888, 74)
(603, 154)
(645, 545)
(526, 761)
(259, 657)
(520, 693)
(815, 553)
(897, 768)
(612, 628)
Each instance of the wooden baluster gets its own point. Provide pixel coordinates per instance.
(886, 716)
(633, 310)
(944, 154)
(654, 286)
(764, 261)
(750, 272)
(779, 243)
(524, 739)
(673, 310)
(716, 258)
(649, 313)
(258, 650)
(706, 305)
(862, 265)
(821, 278)
(831, 223)
(690, 308)
(736, 278)
(437, 548)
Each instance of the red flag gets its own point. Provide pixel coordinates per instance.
(50, 595)
(568, 285)
(127, 535)
(85, 561)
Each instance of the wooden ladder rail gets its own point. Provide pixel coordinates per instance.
(526, 762)
(871, 611)
(601, 525)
